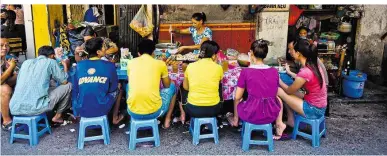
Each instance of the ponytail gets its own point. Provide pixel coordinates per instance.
(303, 46)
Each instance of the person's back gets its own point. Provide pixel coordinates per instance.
(261, 83)
(204, 77)
(145, 98)
(31, 94)
(144, 74)
(315, 95)
(95, 80)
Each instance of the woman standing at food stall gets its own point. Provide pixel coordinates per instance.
(198, 30)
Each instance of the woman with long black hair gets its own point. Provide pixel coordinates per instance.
(314, 101)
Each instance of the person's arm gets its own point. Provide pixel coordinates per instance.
(77, 51)
(59, 75)
(112, 47)
(207, 36)
(193, 47)
(241, 85)
(287, 68)
(297, 84)
(164, 76)
(181, 31)
(238, 97)
(8, 72)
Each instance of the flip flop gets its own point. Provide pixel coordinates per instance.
(170, 124)
(283, 137)
(7, 127)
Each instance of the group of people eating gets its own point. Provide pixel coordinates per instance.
(151, 93)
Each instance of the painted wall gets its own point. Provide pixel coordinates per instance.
(273, 26)
(232, 28)
(41, 29)
(55, 13)
(238, 36)
(214, 13)
(369, 47)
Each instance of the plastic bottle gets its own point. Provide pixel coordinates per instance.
(74, 66)
(348, 68)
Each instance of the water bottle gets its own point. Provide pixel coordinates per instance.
(73, 96)
(72, 72)
(73, 68)
(348, 68)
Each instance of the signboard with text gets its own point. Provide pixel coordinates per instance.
(276, 7)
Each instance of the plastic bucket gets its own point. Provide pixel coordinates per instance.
(353, 84)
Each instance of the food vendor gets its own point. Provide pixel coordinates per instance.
(199, 32)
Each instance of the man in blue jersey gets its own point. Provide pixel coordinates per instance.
(96, 81)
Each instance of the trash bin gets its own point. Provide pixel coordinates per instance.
(353, 84)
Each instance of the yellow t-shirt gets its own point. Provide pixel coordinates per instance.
(203, 79)
(144, 74)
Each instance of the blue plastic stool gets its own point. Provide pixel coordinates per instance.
(96, 121)
(136, 125)
(315, 123)
(195, 129)
(30, 124)
(246, 136)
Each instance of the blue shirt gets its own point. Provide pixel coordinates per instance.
(95, 84)
(31, 92)
(89, 16)
(197, 38)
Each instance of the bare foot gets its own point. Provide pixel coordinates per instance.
(167, 123)
(57, 120)
(182, 117)
(117, 119)
(279, 130)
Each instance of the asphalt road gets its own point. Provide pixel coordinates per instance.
(352, 129)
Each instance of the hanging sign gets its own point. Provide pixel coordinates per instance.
(276, 7)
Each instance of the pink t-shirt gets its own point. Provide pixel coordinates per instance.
(315, 96)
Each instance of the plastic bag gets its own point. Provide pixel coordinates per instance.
(142, 23)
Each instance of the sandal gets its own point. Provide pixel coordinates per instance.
(7, 127)
(283, 136)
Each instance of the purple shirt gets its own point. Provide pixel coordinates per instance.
(262, 106)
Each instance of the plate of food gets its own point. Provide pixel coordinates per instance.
(187, 57)
(167, 45)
